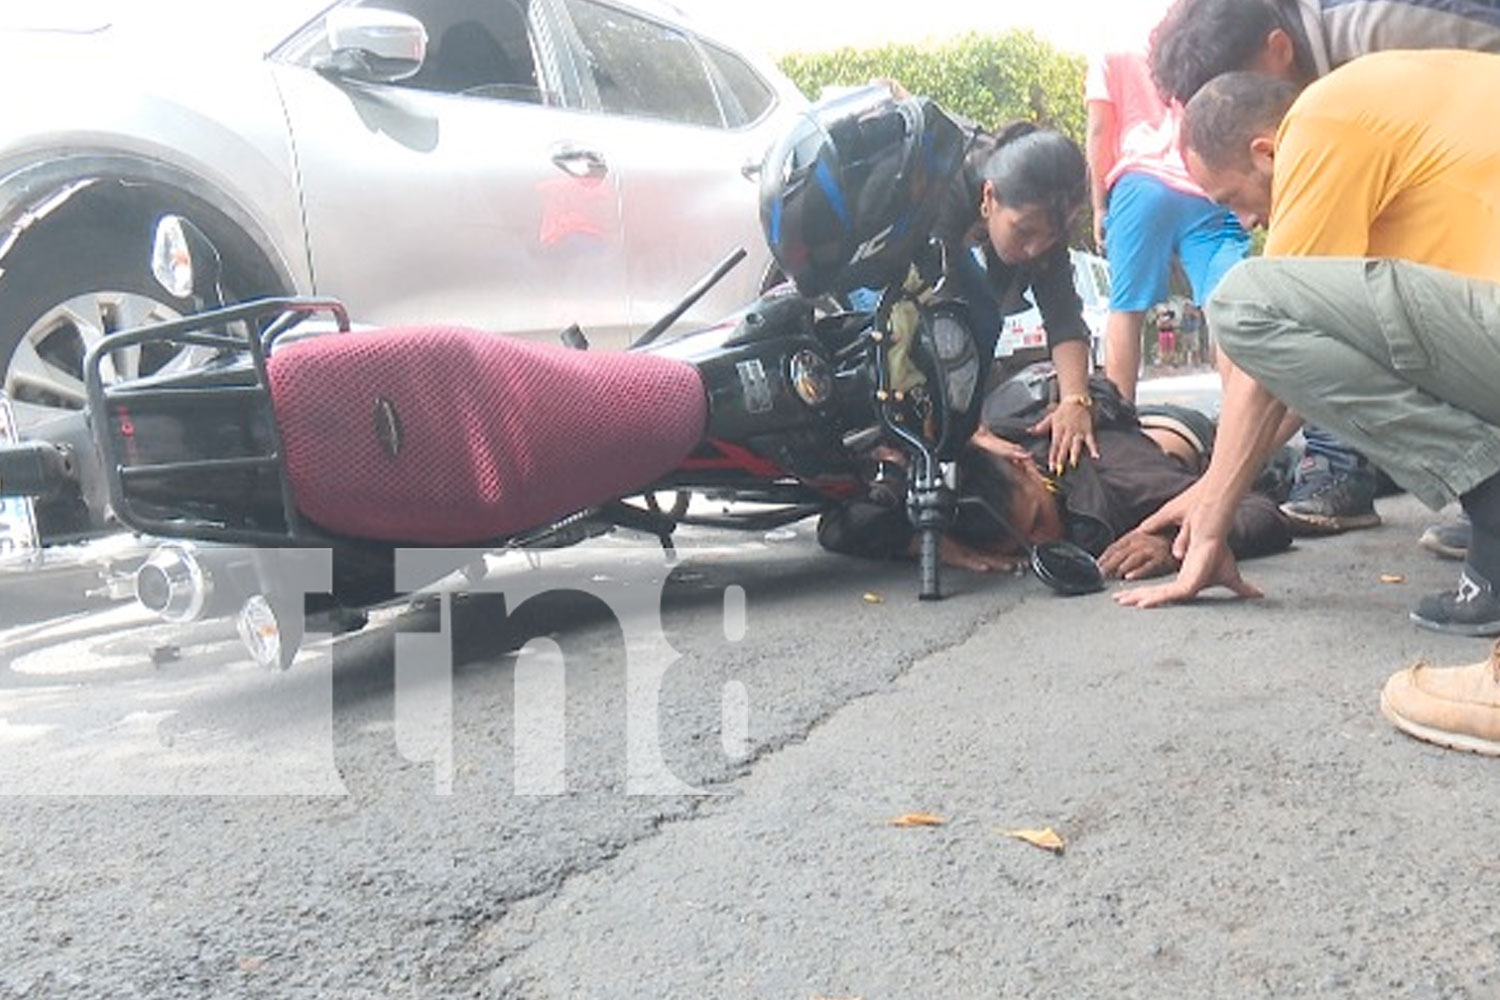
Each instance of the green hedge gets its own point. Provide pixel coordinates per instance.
(992, 79)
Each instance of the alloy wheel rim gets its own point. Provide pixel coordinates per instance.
(44, 377)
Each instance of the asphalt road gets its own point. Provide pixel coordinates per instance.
(1238, 819)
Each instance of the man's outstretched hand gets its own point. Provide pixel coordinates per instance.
(1208, 563)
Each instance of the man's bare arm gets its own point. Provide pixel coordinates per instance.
(1250, 428)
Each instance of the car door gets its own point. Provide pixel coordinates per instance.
(471, 192)
(687, 151)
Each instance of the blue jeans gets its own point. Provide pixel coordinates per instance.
(1342, 459)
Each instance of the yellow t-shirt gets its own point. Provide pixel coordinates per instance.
(1396, 154)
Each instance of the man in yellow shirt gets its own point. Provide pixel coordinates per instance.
(1376, 312)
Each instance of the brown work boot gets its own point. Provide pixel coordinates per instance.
(1457, 707)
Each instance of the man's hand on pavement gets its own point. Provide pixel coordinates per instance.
(1208, 563)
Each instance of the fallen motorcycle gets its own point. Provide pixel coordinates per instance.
(281, 430)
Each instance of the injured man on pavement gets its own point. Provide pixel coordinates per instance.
(1146, 458)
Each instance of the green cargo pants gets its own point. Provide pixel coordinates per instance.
(1400, 359)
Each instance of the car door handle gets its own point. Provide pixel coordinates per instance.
(750, 170)
(580, 162)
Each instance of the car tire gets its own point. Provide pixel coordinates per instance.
(62, 289)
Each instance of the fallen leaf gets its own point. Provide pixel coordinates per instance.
(918, 819)
(873, 598)
(1046, 839)
(1392, 578)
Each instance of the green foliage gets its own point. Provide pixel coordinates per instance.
(992, 79)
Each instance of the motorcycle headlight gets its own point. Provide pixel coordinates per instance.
(953, 343)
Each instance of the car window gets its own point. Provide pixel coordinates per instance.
(752, 95)
(477, 48)
(644, 68)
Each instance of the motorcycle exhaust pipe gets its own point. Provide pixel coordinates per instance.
(181, 582)
(173, 584)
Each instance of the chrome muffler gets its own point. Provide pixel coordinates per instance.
(182, 582)
(174, 584)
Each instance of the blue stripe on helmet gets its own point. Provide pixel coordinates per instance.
(835, 197)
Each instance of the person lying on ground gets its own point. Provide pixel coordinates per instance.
(1097, 504)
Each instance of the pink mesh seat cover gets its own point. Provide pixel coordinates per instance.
(447, 436)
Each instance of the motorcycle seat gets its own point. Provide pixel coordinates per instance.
(442, 435)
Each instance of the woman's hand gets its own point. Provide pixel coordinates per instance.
(1071, 427)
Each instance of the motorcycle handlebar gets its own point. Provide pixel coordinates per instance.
(930, 561)
(40, 470)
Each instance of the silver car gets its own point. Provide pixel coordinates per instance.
(517, 165)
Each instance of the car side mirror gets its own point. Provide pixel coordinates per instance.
(371, 45)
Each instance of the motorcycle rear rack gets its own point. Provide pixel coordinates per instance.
(251, 330)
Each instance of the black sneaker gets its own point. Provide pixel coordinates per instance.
(1450, 541)
(1325, 503)
(1472, 609)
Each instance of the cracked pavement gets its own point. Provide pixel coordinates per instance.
(1239, 819)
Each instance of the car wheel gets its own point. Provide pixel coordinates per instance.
(60, 295)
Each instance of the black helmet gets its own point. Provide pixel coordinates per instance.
(851, 191)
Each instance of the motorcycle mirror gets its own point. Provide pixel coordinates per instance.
(183, 259)
(1066, 568)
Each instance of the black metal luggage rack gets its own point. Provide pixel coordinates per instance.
(197, 453)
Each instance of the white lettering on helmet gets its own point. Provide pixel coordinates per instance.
(874, 245)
